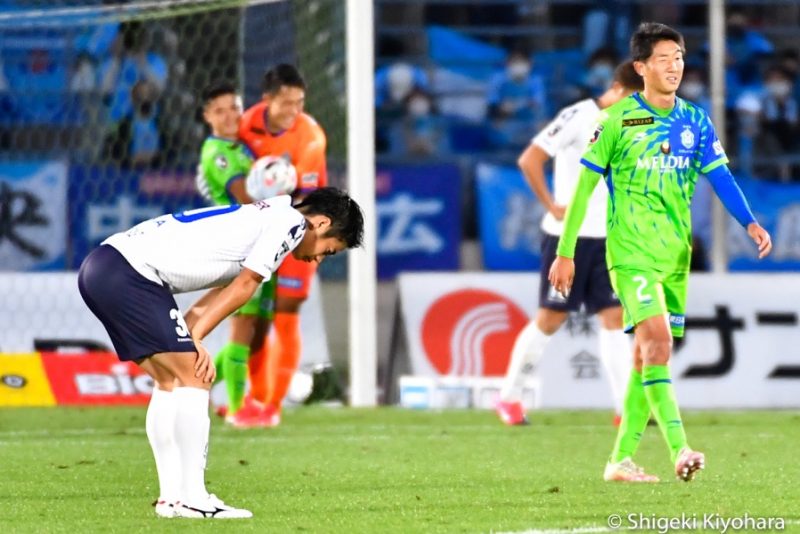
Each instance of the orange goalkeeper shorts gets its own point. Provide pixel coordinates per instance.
(294, 278)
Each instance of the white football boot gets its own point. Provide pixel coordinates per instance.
(166, 509)
(211, 508)
(626, 471)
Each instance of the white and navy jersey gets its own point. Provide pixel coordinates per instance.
(565, 139)
(208, 247)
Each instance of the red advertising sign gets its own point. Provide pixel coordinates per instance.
(97, 378)
(471, 332)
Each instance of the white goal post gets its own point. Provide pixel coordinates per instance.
(361, 183)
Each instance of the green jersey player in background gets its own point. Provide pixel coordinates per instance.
(651, 147)
(224, 161)
(224, 165)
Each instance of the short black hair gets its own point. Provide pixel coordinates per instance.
(627, 76)
(283, 75)
(215, 89)
(347, 219)
(650, 33)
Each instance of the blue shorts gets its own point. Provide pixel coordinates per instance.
(591, 287)
(140, 316)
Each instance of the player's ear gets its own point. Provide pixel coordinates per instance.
(638, 66)
(324, 223)
(320, 222)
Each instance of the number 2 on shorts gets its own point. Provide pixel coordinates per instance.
(642, 281)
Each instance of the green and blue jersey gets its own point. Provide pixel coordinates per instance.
(651, 160)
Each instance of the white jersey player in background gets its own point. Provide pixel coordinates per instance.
(128, 283)
(565, 139)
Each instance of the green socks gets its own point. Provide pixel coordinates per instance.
(635, 414)
(660, 394)
(219, 359)
(234, 368)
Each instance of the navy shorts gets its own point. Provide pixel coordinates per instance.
(140, 316)
(591, 287)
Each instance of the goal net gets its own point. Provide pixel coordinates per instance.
(100, 126)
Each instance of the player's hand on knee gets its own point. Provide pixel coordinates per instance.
(761, 238)
(562, 272)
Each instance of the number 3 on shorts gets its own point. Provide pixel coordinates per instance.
(640, 294)
(182, 329)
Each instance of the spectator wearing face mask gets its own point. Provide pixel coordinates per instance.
(772, 124)
(779, 116)
(393, 85)
(136, 140)
(516, 93)
(694, 88)
(421, 131)
(130, 62)
(600, 72)
(516, 102)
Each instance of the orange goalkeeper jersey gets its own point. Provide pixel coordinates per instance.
(304, 144)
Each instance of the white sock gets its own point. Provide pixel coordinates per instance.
(191, 434)
(528, 349)
(160, 428)
(617, 357)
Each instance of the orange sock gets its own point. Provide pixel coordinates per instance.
(284, 356)
(257, 366)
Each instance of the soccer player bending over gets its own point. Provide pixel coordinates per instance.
(650, 148)
(128, 283)
(565, 138)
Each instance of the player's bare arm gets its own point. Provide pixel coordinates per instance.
(225, 302)
(199, 307)
(532, 162)
(228, 300)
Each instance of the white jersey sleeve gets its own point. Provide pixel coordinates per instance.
(208, 247)
(561, 131)
(565, 139)
(273, 246)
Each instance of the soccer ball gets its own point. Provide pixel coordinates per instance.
(300, 387)
(271, 176)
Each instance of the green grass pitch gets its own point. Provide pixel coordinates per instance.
(390, 470)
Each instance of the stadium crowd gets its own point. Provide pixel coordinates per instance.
(486, 81)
